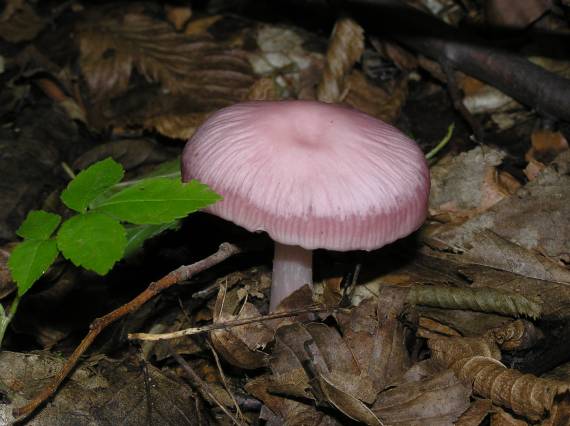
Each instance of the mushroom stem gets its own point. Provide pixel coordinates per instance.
(292, 269)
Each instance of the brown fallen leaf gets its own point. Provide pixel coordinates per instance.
(518, 14)
(517, 335)
(382, 103)
(240, 346)
(178, 16)
(181, 75)
(467, 183)
(435, 400)
(19, 22)
(546, 145)
(278, 410)
(476, 413)
(377, 337)
(534, 218)
(329, 367)
(345, 48)
(489, 249)
(501, 418)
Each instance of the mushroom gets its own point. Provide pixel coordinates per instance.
(312, 175)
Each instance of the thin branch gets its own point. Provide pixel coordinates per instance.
(234, 323)
(183, 273)
(202, 386)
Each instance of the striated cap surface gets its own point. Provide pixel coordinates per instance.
(311, 174)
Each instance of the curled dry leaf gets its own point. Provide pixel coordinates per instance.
(240, 346)
(447, 350)
(517, 335)
(476, 299)
(475, 362)
(345, 48)
(525, 394)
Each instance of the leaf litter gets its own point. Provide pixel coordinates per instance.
(424, 338)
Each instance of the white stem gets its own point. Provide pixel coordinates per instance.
(292, 269)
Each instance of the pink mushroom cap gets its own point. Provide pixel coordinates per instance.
(311, 174)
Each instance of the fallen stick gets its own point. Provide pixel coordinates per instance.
(512, 74)
(233, 323)
(183, 273)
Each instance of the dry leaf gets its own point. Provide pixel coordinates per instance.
(240, 346)
(519, 14)
(501, 418)
(517, 335)
(201, 25)
(475, 362)
(476, 299)
(448, 350)
(384, 104)
(546, 145)
(19, 22)
(345, 48)
(476, 413)
(462, 184)
(285, 410)
(178, 16)
(111, 49)
(329, 368)
(185, 78)
(436, 400)
(377, 337)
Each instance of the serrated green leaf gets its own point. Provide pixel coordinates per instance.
(157, 200)
(91, 183)
(92, 240)
(38, 225)
(138, 234)
(29, 260)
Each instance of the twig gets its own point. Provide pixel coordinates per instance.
(183, 273)
(224, 381)
(202, 386)
(513, 75)
(235, 323)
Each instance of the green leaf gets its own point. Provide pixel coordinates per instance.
(157, 200)
(138, 234)
(91, 183)
(92, 240)
(38, 225)
(29, 260)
